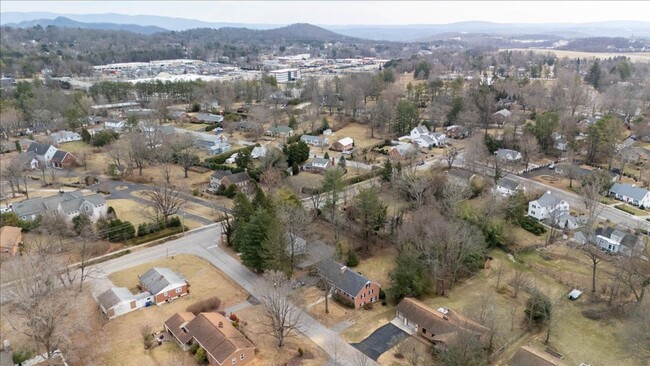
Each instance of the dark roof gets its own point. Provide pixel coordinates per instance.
(629, 191)
(445, 327)
(177, 321)
(529, 356)
(508, 183)
(629, 240)
(217, 335)
(221, 173)
(114, 296)
(156, 279)
(39, 149)
(342, 277)
(238, 178)
(59, 156)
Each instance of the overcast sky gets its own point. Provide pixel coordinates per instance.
(355, 12)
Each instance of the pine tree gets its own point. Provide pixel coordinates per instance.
(387, 172)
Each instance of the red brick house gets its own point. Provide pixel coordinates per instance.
(63, 160)
(223, 343)
(164, 284)
(241, 180)
(349, 285)
(442, 327)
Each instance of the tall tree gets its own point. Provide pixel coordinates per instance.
(164, 200)
(370, 211)
(279, 316)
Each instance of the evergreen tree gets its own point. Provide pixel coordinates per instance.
(85, 135)
(293, 123)
(295, 169)
(342, 162)
(18, 147)
(253, 234)
(244, 159)
(594, 75)
(326, 156)
(387, 172)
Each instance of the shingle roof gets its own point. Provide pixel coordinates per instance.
(221, 173)
(504, 113)
(311, 138)
(342, 277)
(238, 178)
(508, 183)
(319, 161)
(177, 321)
(216, 334)
(629, 240)
(445, 326)
(114, 296)
(405, 149)
(548, 200)
(157, 278)
(209, 117)
(422, 129)
(39, 149)
(40, 205)
(529, 356)
(504, 153)
(346, 141)
(59, 156)
(629, 191)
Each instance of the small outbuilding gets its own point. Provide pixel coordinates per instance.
(575, 294)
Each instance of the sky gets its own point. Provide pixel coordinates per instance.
(354, 12)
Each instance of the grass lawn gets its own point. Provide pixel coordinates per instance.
(426, 358)
(632, 210)
(379, 265)
(359, 133)
(304, 179)
(367, 321)
(267, 352)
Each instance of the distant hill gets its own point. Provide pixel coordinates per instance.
(64, 22)
(304, 31)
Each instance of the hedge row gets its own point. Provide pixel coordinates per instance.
(157, 235)
(530, 224)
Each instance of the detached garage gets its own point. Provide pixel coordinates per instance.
(119, 300)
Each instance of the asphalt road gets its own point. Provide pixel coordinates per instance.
(203, 243)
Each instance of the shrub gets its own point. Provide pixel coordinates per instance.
(367, 306)
(235, 324)
(194, 348)
(221, 158)
(21, 355)
(233, 317)
(300, 352)
(103, 138)
(625, 209)
(530, 224)
(353, 259)
(174, 221)
(195, 192)
(538, 308)
(382, 295)
(398, 355)
(384, 303)
(200, 357)
(208, 305)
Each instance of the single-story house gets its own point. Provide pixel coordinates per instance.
(63, 137)
(630, 194)
(54, 358)
(402, 151)
(10, 239)
(180, 116)
(442, 327)
(425, 141)
(456, 132)
(508, 154)
(503, 113)
(164, 284)
(318, 165)
(579, 172)
(348, 284)
(529, 356)
(259, 152)
(118, 301)
(205, 118)
(545, 206)
(506, 186)
(141, 112)
(69, 204)
(283, 131)
(222, 342)
(115, 125)
(314, 140)
(344, 144)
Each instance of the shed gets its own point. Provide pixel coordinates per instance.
(575, 294)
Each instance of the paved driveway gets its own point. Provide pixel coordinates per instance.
(380, 341)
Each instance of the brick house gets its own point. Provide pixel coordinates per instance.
(442, 327)
(403, 151)
(63, 160)
(164, 284)
(241, 180)
(348, 284)
(223, 343)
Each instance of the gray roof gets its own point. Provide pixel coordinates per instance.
(280, 129)
(422, 129)
(508, 183)
(548, 200)
(342, 277)
(209, 117)
(114, 296)
(299, 244)
(629, 191)
(59, 155)
(311, 138)
(67, 200)
(503, 153)
(238, 178)
(427, 139)
(629, 240)
(221, 173)
(406, 148)
(319, 161)
(157, 278)
(39, 149)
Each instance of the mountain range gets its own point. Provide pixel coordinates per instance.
(147, 24)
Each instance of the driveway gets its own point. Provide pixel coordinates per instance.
(381, 341)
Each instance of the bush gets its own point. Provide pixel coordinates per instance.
(300, 352)
(208, 305)
(221, 158)
(174, 221)
(625, 209)
(353, 259)
(530, 224)
(233, 317)
(384, 303)
(538, 308)
(200, 357)
(103, 138)
(21, 355)
(194, 348)
(382, 295)
(119, 231)
(367, 306)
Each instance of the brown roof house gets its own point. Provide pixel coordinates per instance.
(223, 343)
(10, 239)
(529, 356)
(442, 327)
(242, 180)
(349, 285)
(164, 284)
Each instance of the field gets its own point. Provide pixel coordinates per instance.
(634, 56)
(359, 133)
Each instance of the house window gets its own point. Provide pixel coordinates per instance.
(165, 294)
(234, 360)
(179, 290)
(241, 357)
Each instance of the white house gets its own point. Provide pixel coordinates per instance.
(508, 154)
(64, 136)
(69, 204)
(43, 152)
(507, 187)
(115, 125)
(419, 131)
(259, 152)
(617, 241)
(425, 141)
(631, 194)
(546, 206)
(439, 138)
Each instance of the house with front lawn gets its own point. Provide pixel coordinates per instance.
(507, 187)
(223, 343)
(344, 144)
(279, 131)
(508, 155)
(349, 286)
(318, 165)
(314, 140)
(615, 240)
(402, 152)
(118, 301)
(419, 131)
(630, 194)
(547, 205)
(443, 327)
(242, 180)
(164, 284)
(64, 136)
(68, 204)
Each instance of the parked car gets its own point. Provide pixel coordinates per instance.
(552, 166)
(421, 162)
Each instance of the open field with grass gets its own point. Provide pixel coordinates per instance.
(634, 56)
(131, 211)
(359, 133)
(632, 209)
(389, 358)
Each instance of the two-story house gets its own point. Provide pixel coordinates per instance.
(546, 206)
(348, 284)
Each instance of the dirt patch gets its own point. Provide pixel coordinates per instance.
(634, 56)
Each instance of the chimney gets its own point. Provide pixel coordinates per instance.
(343, 268)
(220, 324)
(548, 192)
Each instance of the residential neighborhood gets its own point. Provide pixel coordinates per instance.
(203, 189)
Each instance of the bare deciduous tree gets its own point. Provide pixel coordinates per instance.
(450, 155)
(185, 152)
(165, 201)
(281, 318)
